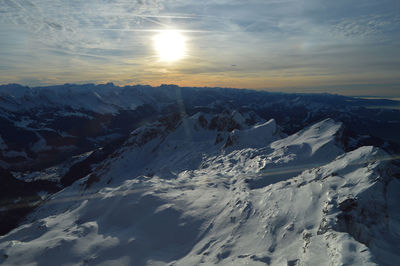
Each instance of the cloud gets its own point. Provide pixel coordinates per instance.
(263, 38)
(371, 25)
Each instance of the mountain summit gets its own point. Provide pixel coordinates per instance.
(186, 182)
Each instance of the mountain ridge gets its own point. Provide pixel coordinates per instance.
(155, 201)
(191, 176)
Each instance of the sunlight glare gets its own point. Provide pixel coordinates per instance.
(170, 45)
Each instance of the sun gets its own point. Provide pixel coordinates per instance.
(170, 45)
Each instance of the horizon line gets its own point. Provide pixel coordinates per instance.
(267, 90)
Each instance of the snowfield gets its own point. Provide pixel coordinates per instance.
(214, 189)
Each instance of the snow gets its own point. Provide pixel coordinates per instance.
(173, 195)
(258, 136)
(13, 154)
(77, 114)
(54, 173)
(103, 99)
(315, 137)
(40, 145)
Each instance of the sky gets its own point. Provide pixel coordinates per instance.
(346, 47)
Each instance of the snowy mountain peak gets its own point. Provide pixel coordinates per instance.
(259, 135)
(162, 201)
(322, 137)
(160, 176)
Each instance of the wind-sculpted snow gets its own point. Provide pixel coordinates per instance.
(214, 189)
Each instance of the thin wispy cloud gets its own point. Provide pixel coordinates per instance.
(303, 40)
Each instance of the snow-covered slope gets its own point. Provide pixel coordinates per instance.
(42, 126)
(217, 189)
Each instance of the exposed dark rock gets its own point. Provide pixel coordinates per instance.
(93, 178)
(228, 142)
(265, 259)
(18, 198)
(83, 168)
(219, 138)
(348, 205)
(223, 123)
(202, 121)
